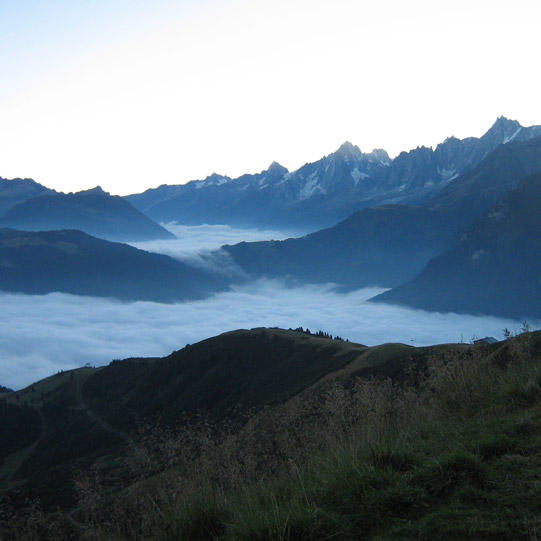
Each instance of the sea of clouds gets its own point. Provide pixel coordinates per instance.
(41, 335)
(199, 246)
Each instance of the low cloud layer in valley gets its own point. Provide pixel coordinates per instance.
(41, 335)
(199, 239)
(199, 245)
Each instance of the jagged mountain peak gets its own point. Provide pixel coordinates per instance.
(504, 129)
(449, 140)
(275, 167)
(380, 155)
(323, 192)
(212, 180)
(215, 176)
(98, 190)
(348, 150)
(504, 122)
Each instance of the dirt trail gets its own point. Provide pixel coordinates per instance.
(70, 515)
(96, 418)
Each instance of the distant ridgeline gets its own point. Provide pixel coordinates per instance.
(482, 226)
(451, 227)
(93, 211)
(322, 193)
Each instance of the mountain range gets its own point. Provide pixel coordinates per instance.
(390, 245)
(322, 193)
(28, 207)
(388, 218)
(477, 190)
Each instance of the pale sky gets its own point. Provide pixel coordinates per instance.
(131, 94)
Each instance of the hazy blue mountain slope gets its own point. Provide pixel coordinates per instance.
(382, 246)
(93, 211)
(73, 262)
(215, 200)
(17, 190)
(494, 269)
(476, 191)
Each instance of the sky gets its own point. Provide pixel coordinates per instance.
(131, 94)
(68, 331)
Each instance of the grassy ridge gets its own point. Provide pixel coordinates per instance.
(86, 416)
(457, 458)
(448, 449)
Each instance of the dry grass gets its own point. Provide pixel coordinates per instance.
(338, 463)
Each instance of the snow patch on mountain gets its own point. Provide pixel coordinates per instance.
(447, 174)
(511, 137)
(213, 180)
(310, 188)
(358, 175)
(380, 156)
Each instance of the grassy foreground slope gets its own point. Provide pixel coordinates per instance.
(86, 418)
(455, 456)
(428, 443)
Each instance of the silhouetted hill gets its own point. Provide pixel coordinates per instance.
(494, 269)
(220, 376)
(89, 415)
(74, 262)
(93, 211)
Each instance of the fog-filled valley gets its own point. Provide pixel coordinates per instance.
(42, 335)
